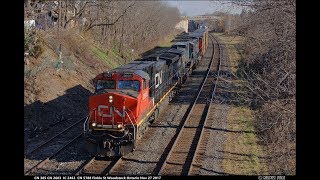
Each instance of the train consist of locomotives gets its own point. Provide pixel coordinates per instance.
(127, 98)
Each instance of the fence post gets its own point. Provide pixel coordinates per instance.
(60, 52)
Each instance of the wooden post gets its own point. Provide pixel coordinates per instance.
(60, 52)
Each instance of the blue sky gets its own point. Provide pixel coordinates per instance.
(192, 8)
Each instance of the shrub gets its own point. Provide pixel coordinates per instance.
(32, 42)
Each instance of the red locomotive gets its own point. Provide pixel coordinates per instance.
(127, 99)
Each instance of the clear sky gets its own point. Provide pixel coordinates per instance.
(192, 8)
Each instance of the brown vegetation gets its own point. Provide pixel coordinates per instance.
(269, 67)
(116, 25)
(67, 43)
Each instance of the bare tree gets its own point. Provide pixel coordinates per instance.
(269, 67)
(118, 26)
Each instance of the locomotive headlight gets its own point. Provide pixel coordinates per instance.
(110, 99)
(119, 126)
(94, 124)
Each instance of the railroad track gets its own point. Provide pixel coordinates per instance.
(60, 136)
(184, 157)
(59, 122)
(52, 138)
(198, 157)
(97, 166)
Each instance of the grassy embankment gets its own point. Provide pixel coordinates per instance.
(109, 61)
(113, 59)
(243, 154)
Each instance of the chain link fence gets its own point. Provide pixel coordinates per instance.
(65, 63)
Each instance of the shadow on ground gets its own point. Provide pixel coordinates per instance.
(44, 120)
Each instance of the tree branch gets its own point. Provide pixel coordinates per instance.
(113, 23)
(77, 14)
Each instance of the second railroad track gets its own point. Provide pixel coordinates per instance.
(182, 159)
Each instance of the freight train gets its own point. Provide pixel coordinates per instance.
(128, 99)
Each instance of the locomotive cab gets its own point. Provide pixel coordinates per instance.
(115, 108)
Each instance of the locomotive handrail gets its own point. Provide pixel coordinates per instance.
(88, 118)
(86, 122)
(134, 128)
(131, 113)
(84, 125)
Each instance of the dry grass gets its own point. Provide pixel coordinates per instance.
(108, 60)
(231, 43)
(243, 155)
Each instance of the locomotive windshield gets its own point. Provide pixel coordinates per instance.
(133, 85)
(106, 84)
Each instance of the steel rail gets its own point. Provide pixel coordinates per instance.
(189, 114)
(41, 163)
(190, 169)
(46, 142)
